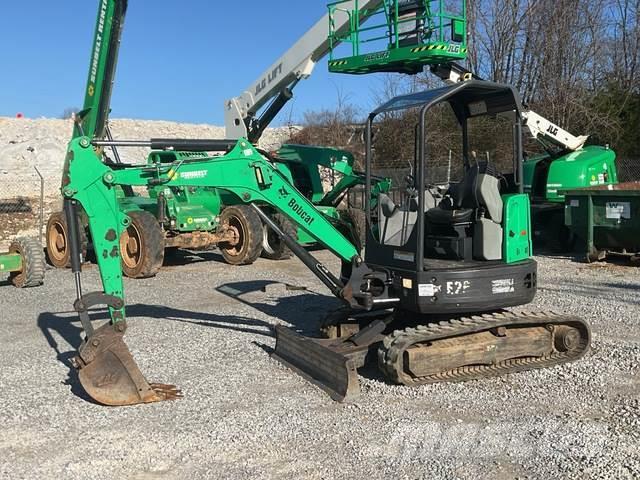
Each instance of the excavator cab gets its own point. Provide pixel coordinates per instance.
(470, 225)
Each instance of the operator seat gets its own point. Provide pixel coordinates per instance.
(477, 191)
(396, 222)
(467, 222)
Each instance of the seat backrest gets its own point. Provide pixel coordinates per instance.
(386, 205)
(480, 187)
(464, 194)
(489, 196)
(395, 223)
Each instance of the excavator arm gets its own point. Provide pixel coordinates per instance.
(243, 172)
(107, 369)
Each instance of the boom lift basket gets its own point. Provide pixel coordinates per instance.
(399, 36)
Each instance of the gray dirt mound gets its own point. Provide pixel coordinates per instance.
(27, 143)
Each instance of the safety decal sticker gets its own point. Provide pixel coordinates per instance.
(505, 285)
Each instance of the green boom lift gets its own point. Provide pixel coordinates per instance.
(428, 296)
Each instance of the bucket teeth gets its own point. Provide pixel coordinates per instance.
(110, 375)
(168, 392)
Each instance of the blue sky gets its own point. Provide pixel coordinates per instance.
(179, 60)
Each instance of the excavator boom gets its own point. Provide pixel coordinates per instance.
(92, 119)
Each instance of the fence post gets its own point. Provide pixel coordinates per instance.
(41, 209)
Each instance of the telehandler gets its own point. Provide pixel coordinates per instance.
(427, 298)
(195, 218)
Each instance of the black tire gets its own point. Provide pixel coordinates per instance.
(33, 263)
(356, 221)
(248, 228)
(57, 246)
(273, 247)
(142, 246)
(353, 226)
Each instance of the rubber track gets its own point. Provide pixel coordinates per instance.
(391, 353)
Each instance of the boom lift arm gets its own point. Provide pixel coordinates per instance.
(277, 82)
(412, 34)
(547, 133)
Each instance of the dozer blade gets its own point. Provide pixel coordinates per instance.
(110, 375)
(317, 362)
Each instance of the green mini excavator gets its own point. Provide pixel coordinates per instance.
(428, 297)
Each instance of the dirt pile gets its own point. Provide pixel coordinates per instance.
(41, 143)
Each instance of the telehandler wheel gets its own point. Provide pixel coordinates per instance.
(273, 247)
(58, 252)
(357, 220)
(142, 246)
(247, 229)
(33, 263)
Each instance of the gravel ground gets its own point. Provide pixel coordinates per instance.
(245, 415)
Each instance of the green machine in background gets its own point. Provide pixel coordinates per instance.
(166, 218)
(547, 176)
(24, 262)
(195, 217)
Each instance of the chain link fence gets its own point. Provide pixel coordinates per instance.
(22, 207)
(628, 169)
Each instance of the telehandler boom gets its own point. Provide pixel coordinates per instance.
(432, 257)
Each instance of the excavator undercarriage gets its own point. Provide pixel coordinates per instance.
(452, 350)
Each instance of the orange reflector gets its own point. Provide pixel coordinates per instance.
(523, 233)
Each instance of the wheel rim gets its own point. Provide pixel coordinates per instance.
(235, 224)
(131, 247)
(57, 241)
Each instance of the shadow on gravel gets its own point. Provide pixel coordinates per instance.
(178, 257)
(67, 326)
(622, 286)
(303, 311)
